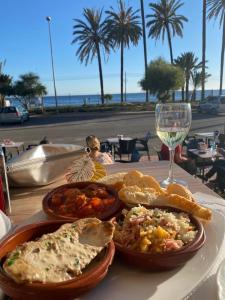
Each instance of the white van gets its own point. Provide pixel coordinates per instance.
(213, 105)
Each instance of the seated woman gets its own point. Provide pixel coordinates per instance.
(185, 163)
(218, 168)
(93, 145)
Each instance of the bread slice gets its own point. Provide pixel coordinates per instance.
(61, 255)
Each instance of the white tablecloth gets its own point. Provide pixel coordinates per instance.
(208, 289)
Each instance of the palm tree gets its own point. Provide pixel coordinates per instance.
(203, 48)
(190, 63)
(91, 36)
(181, 62)
(197, 78)
(165, 20)
(144, 41)
(124, 28)
(216, 9)
(5, 87)
(29, 86)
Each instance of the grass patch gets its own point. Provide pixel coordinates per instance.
(114, 107)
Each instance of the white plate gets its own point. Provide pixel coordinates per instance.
(124, 282)
(220, 280)
(5, 224)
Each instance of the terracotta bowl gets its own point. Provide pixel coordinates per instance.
(107, 214)
(66, 290)
(167, 260)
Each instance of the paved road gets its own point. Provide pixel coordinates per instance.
(74, 127)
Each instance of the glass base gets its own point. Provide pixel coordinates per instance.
(167, 181)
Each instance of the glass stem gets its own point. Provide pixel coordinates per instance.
(170, 179)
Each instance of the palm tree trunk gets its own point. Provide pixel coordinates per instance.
(170, 44)
(144, 43)
(193, 96)
(203, 48)
(187, 87)
(222, 58)
(182, 93)
(100, 73)
(121, 71)
(171, 52)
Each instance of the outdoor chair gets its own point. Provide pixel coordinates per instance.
(142, 144)
(125, 147)
(105, 147)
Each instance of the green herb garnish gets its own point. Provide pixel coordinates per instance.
(48, 245)
(76, 261)
(12, 259)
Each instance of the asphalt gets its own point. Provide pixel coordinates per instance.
(74, 127)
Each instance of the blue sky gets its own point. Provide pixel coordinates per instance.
(25, 45)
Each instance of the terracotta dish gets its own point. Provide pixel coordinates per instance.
(167, 260)
(82, 200)
(66, 290)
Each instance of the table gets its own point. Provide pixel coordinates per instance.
(114, 141)
(205, 134)
(16, 145)
(26, 203)
(206, 158)
(207, 154)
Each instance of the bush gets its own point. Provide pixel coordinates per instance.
(162, 77)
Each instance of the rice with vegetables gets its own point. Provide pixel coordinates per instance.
(154, 230)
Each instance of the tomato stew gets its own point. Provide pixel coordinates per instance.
(77, 201)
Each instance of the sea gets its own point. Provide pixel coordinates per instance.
(79, 100)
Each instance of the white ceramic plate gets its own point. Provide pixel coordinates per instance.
(124, 282)
(220, 280)
(5, 224)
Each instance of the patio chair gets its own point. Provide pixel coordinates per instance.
(105, 147)
(125, 147)
(142, 144)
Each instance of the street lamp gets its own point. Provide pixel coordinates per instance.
(53, 71)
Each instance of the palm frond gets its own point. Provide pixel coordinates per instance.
(216, 9)
(89, 34)
(123, 25)
(164, 16)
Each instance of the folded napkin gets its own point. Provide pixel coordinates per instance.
(5, 224)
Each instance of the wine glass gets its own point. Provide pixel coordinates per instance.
(173, 122)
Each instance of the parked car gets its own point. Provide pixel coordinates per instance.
(213, 105)
(14, 114)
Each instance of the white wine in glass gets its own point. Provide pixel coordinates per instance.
(173, 121)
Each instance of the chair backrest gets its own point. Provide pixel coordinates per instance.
(105, 147)
(127, 146)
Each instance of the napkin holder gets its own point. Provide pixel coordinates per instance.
(42, 165)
